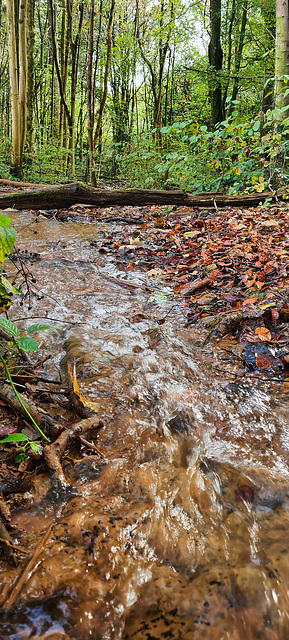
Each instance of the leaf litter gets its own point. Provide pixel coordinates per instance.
(228, 267)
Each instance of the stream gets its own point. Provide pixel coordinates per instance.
(181, 530)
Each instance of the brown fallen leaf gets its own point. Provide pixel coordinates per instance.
(263, 334)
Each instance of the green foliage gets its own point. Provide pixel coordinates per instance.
(248, 156)
(22, 451)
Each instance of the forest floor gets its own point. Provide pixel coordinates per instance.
(229, 269)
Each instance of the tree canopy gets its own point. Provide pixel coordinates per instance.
(164, 94)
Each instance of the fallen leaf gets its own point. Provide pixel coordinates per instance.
(263, 334)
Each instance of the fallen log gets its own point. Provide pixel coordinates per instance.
(64, 196)
(43, 419)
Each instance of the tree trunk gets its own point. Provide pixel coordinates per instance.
(30, 74)
(98, 128)
(90, 93)
(282, 59)
(22, 73)
(239, 51)
(215, 60)
(64, 196)
(14, 92)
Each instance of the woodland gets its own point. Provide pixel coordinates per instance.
(143, 158)
(168, 94)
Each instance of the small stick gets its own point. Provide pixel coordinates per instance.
(6, 542)
(13, 546)
(25, 575)
(91, 446)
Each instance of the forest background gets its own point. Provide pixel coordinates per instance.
(147, 93)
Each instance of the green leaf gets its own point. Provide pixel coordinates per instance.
(5, 300)
(27, 344)
(15, 437)
(9, 327)
(4, 221)
(8, 286)
(37, 448)
(158, 296)
(20, 456)
(7, 239)
(40, 327)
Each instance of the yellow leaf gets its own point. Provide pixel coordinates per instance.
(81, 398)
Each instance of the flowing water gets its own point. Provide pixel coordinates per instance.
(159, 540)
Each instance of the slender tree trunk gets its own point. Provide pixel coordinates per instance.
(269, 17)
(90, 93)
(98, 128)
(282, 58)
(215, 60)
(239, 51)
(30, 74)
(14, 88)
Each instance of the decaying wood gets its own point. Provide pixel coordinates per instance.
(64, 196)
(47, 424)
(23, 577)
(53, 452)
(16, 184)
(189, 288)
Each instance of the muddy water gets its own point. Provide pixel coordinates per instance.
(156, 540)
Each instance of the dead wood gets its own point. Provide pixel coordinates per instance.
(6, 544)
(47, 424)
(16, 184)
(197, 284)
(53, 452)
(25, 575)
(64, 196)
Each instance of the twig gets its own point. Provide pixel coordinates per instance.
(25, 575)
(13, 546)
(5, 537)
(53, 452)
(21, 401)
(12, 399)
(91, 446)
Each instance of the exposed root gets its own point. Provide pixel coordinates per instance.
(53, 452)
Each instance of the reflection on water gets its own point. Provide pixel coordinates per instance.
(182, 532)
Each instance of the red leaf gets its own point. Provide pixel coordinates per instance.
(245, 493)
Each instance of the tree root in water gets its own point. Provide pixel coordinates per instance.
(53, 452)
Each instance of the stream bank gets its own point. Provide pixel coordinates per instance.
(180, 530)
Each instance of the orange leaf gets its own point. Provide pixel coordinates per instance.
(260, 284)
(263, 333)
(274, 314)
(249, 300)
(262, 362)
